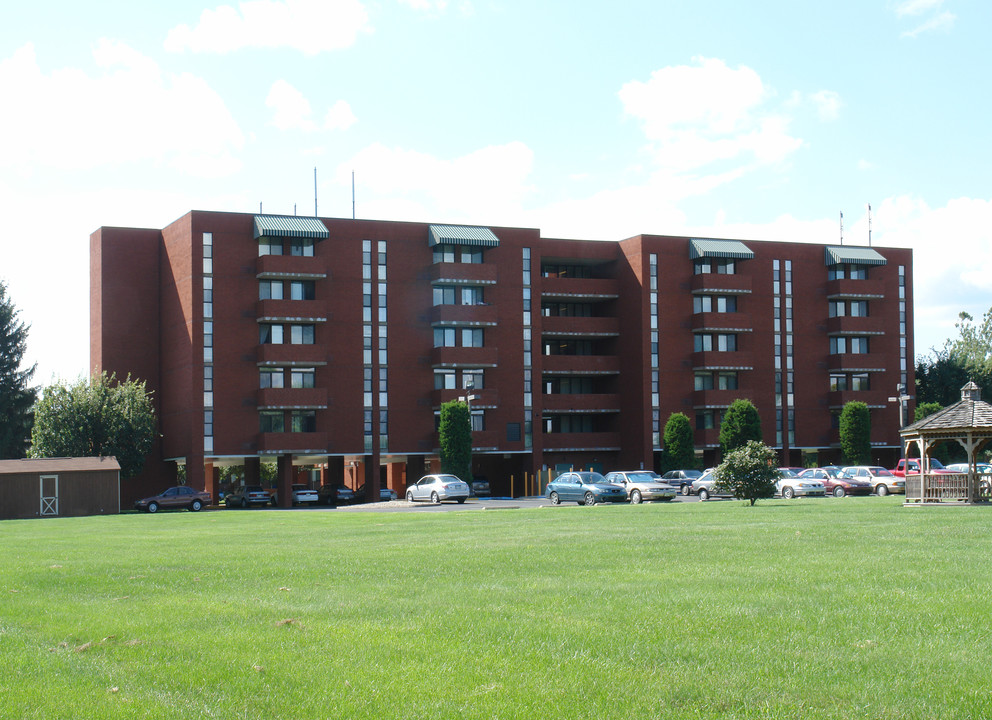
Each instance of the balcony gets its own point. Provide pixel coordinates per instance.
(709, 437)
(290, 266)
(854, 325)
(721, 321)
(852, 361)
(716, 398)
(292, 355)
(578, 327)
(478, 357)
(292, 310)
(464, 273)
(715, 282)
(581, 441)
(292, 398)
(580, 364)
(853, 289)
(290, 442)
(572, 289)
(485, 440)
(485, 397)
(872, 398)
(585, 403)
(716, 360)
(469, 315)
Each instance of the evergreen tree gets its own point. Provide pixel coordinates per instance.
(680, 447)
(16, 396)
(855, 433)
(740, 424)
(101, 417)
(455, 434)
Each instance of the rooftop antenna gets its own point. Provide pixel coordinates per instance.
(841, 227)
(869, 224)
(352, 194)
(294, 209)
(259, 207)
(315, 191)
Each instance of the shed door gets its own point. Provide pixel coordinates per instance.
(49, 495)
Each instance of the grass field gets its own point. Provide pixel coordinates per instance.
(854, 608)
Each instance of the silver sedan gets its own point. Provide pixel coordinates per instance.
(436, 488)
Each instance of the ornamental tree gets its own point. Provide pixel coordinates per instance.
(16, 397)
(98, 417)
(748, 472)
(740, 424)
(679, 441)
(855, 433)
(455, 434)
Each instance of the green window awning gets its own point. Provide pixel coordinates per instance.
(461, 235)
(845, 255)
(708, 248)
(292, 226)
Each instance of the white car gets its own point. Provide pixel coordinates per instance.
(436, 488)
(642, 485)
(792, 486)
(882, 480)
(302, 494)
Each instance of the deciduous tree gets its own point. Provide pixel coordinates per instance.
(748, 472)
(99, 417)
(16, 395)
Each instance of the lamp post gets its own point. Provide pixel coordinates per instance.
(902, 398)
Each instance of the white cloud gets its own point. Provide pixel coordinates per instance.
(309, 26)
(339, 117)
(828, 104)
(695, 116)
(128, 112)
(938, 20)
(943, 21)
(292, 109)
(917, 7)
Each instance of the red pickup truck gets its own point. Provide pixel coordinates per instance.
(936, 467)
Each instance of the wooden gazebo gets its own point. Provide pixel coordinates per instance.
(969, 422)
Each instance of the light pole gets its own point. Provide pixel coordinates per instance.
(902, 398)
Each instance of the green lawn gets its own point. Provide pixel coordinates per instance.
(854, 608)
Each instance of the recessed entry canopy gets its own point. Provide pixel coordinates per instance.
(846, 255)
(461, 235)
(292, 226)
(709, 248)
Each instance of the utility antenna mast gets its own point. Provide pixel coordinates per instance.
(352, 194)
(315, 191)
(869, 224)
(841, 227)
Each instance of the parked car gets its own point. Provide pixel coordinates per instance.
(642, 485)
(385, 494)
(681, 479)
(912, 465)
(249, 495)
(436, 488)
(585, 488)
(335, 494)
(303, 494)
(790, 485)
(705, 487)
(175, 498)
(480, 487)
(836, 482)
(882, 480)
(980, 468)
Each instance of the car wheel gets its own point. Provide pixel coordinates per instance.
(839, 491)
(635, 497)
(685, 489)
(788, 493)
(704, 494)
(435, 499)
(409, 495)
(590, 499)
(195, 505)
(153, 507)
(555, 500)
(882, 490)
(272, 501)
(461, 500)
(244, 502)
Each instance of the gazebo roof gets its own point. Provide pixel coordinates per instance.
(971, 413)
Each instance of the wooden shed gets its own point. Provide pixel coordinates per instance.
(59, 487)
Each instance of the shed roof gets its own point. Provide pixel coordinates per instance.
(47, 465)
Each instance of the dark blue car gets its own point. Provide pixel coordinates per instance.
(585, 488)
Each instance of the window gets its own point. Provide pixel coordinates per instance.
(860, 382)
(568, 347)
(473, 378)
(444, 253)
(707, 419)
(303, 421)
(855, 345)
(561, 270)
(270, 377)
(838, 308)
(838, 382)
(444, 337)
(859, 308)
(852, 272)
(714, 303)
(722, 266)
(472, 296)
(271, 421)
(301, 334)
(302, 377)
(471, 255)
(472, 337)
(301, 247)
(704, 381)
(444, 295)
(444, 380)
(269, 246)
(269, 334)
(302, 290)
(706, 342)
(270, 289)
(727, 381)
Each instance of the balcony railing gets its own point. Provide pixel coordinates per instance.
(486, 397)
(464, 273)
(292, 310)
(716, 398)
(581, 441)
(290, 266)
(717, 360)
(854, 289)
(470, 315)
(721, 321)
(579, 288)
(854, 361)
(315, 442)
(298, 355)
(861, 325)
(716, 282)
(292, 398)
(580, 364)
(557, 326)
(585, 403)
(464, 357)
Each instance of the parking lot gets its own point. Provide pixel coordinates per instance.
(472, 503)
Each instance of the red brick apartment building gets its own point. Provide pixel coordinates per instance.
(332, 343)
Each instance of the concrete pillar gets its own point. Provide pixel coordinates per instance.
(284, 480)
(396, 479)
(334, 473)
(253, 471)
(211, 476)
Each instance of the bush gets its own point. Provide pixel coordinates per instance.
(749, 472)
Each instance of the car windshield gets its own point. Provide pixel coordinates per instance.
(588, 478)
(693, 473)
(641, 477)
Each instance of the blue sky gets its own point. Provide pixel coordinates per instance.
(756, 120)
